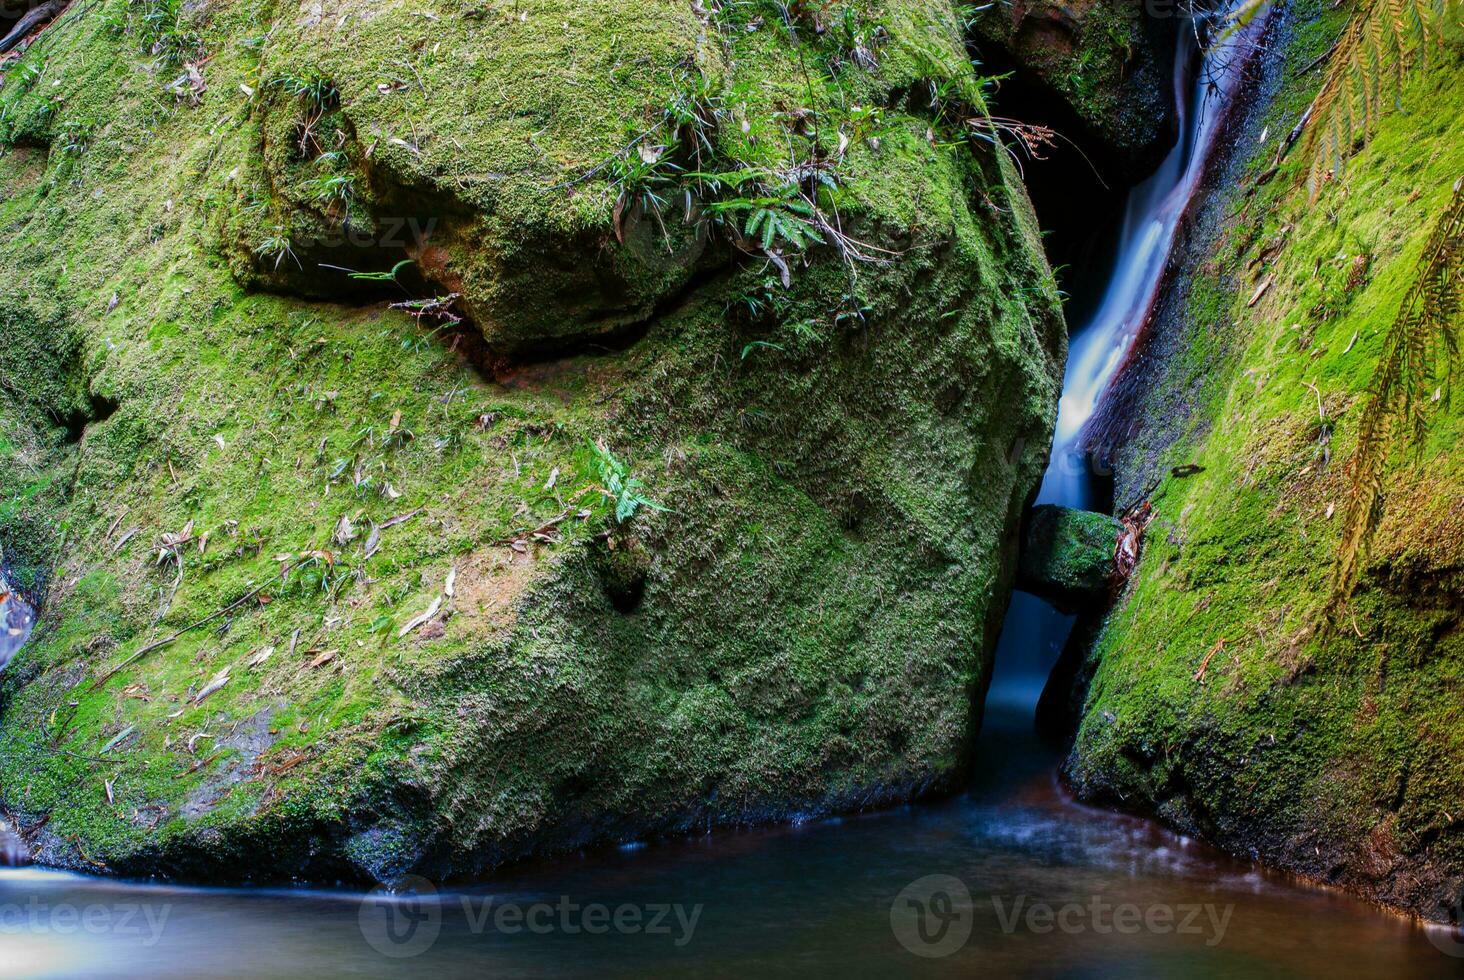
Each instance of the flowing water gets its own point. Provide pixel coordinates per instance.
(1011, 878)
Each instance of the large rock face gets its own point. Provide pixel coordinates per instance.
(332, 588)
(1220, 700)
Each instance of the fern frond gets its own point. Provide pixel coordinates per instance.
(1420, 358)
(1384, 41)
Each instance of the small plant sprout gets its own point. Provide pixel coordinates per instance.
(319, 95)
(277, 247)
(335, 188)
(389, 275)
(313, 88)
(618, 485)
(75, 136)
(759, 344)
(776, 225)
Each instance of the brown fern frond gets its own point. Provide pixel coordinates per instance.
(1420, 358)
(1383, 42)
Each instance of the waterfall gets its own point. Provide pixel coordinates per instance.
(1034, 632)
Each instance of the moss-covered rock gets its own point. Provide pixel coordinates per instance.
(1220, 700)
(651, 541)
(1067, 556)
(1111, 62)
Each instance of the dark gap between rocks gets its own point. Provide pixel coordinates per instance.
(1078, 188)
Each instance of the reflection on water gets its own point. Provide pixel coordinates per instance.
(812, 900)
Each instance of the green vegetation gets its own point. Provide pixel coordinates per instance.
(405, 616)
(1383, 41)
(1419, 360)
(619, 485)
(1220, 699)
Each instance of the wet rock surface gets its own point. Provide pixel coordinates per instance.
(1067, 556)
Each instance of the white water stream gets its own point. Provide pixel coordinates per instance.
(1151, 219)
(1034, 633)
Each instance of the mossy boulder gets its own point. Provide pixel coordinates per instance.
(1110, 62)
(1228, 695)
(661, 525)
(1067, 556)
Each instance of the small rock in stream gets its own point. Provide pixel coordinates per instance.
(1067, 556)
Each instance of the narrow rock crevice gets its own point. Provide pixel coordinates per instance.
(98, 408)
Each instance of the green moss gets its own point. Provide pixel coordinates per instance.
(1219, 700)
(837, 459)
(1068, 555)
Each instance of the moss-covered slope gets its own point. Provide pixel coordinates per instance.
(211, 435)
(1219, 701)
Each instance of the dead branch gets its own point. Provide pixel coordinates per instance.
(26, 24)
(158, 644)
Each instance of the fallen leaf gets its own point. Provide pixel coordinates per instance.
(373, 541)
(1260, 291)
(400, 518)
(419, 620)
(175, 540)
(1205, 664)
(118, 739)
(213, 686)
